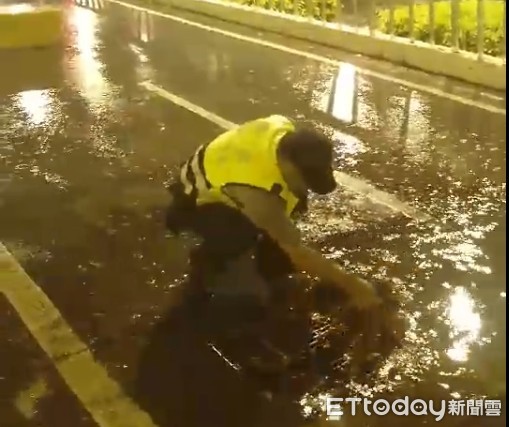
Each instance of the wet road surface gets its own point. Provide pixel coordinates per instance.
(85, 151)
(38, 395)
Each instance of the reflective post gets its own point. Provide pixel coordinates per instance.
(339, 5)
(271, 4)
(503, 49)
(455, 17)
(371, 17)
(309, 8)
(432, 21)
(480, 29)
(323, 10)
(411, 20)
(296, 7)
(391, 18)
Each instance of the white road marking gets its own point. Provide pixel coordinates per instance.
(356, 185)
(369, 191)
(420, 87)
(89, 381)
(181, 102)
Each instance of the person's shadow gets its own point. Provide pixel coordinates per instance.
(220, 363)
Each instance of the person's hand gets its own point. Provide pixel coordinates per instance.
(384, 318)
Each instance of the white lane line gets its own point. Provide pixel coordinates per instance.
(356, 185)
(369, 191)
(89, 381)
(181, 102)
(423, 88)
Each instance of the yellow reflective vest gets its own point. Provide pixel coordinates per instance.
(246, 155)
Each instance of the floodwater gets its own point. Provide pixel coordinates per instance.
(85, 154)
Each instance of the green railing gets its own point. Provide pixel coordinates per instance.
(472, 25)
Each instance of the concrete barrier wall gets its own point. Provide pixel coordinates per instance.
(434, 59)
(24, 26)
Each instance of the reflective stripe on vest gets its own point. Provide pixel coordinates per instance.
(192, 174)
(246, 155)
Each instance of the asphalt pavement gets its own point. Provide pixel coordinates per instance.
(85, 151)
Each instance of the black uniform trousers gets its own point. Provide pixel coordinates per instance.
(226, 235)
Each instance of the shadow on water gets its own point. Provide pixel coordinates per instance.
(232, 363)
(83, 157)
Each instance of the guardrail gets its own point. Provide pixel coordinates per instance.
(472, 25)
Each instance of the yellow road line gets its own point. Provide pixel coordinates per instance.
(101, 396)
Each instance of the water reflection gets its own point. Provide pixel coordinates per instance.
(87, 69)
(17, 8)
(416, 127)
(146, 27)
(465, 324)
(344, 94)
(368, 116)
(142, 28)
(427, 338)
(36, 104)
(336, 94)
(143, 69)
(347, 148)
(411, 125)
(311, 404)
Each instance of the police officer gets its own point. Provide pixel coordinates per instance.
(239, 193)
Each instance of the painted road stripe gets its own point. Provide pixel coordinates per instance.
(184, 103)
(423, 88)
(89, 381)
(369, 191)
(356, 185)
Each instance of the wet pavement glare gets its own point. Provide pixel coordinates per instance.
(85, 152)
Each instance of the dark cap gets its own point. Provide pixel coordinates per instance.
(312, 154)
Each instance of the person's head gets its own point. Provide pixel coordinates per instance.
(308, 154)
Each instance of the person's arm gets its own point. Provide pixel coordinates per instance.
(267, 212)
(301, 210)
(311, 261)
